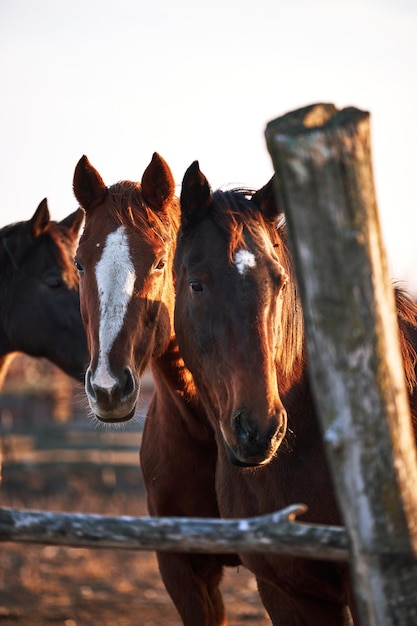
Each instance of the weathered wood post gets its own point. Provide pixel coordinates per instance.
(322, 158)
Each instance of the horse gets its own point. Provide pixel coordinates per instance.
(127, 297)
(39, 303)
(239, 326)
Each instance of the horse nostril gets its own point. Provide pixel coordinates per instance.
(89, 387)
(247, 429)
(128, 383)
(243, 427)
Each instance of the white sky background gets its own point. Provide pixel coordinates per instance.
(118, 80)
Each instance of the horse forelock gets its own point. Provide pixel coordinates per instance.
(232, 211)
(128, 208)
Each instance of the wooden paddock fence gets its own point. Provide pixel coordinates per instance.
(325, 184)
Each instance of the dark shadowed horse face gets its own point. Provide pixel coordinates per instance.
(39, 303)
(230, 287)
(125, 263)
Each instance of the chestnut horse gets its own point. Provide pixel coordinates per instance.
(125, 258)
(39, 303)
(239, 326)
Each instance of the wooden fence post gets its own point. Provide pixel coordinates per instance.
(322, 159)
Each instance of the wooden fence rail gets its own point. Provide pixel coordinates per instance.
(276, 532)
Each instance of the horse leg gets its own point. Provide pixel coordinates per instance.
(193, 582)
(295, 608)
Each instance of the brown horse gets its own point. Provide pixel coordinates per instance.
(125, 258)
(39, 303)
(239, 327)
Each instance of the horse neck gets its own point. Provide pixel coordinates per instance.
(169, 371)
(175, 392)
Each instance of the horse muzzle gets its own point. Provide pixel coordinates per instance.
(113, 400)
(250, 444)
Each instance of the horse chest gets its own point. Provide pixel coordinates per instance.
(286, 480)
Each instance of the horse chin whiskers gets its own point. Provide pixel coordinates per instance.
(100, 425)
(238, 460)
(239, 457)
(141, 412)
(107, 426)
(116, 420)
(97, 424)
(81, 402)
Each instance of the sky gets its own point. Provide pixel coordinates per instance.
(118, 80)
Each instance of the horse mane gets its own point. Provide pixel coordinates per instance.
(127, 207)
(9, 264)
(63, 250)
(17, 228)
(292, 312)
(407, 321)
(17, 249)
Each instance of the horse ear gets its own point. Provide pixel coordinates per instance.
(158, 186)
(266, 201)
(88, 186)
(195, 194)
(40, 219)
(73, 223)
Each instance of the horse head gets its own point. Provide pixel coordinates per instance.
(40, 309)
(231, 283)
(124, 260)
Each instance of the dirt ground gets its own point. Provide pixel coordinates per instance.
(61, 586)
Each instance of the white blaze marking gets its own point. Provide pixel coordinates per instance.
(115, 276)
(244, 260)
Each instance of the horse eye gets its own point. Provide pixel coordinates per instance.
(161, 264)
(78, 266)
(196, 287)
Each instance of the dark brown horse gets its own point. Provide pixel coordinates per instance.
(39, 303)
(127, 295)
(239, 327)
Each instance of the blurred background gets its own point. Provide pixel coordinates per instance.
(118, 80)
